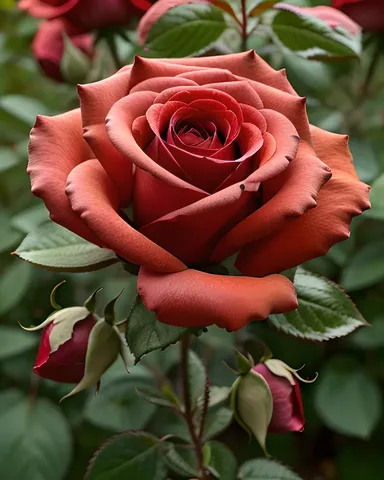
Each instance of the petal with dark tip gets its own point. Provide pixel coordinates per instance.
(193, 298)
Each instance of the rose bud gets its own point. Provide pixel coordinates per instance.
(86, 14)
(367, 13)
(64, 344)
(267, 399)
(54, 40)
(77, 346)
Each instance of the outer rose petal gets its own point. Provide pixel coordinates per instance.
(313, 234)
(245, 64)
(42, 9)
(193, 298)
(55, 148)
(93, 197)
(96, 99)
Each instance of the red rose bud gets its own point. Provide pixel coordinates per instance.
(64, 344)
(367, 13)
(63, 53)
(77, 346)
(288, 412)
(267, 400)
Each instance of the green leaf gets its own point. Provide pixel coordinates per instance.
(56, 248)
(145, 333)
(365, 268)
(74, 65)
(14, 283)
(170, 422)
(371, 337)
(9, 236)
(377, 199)
(185, 30)
(312, 38)
(324, 312)
(217, 395)
(14, 340)
(133, 455)
(216, 421)
(364, 159)
(118, 406)
(8, 159)
(223, 461)
(22, 108)
(347, 399)
(178, 461)
(262, 469)
(196, 376)
(155, 397)
(35, 438)
(31, 218)
(257, 7)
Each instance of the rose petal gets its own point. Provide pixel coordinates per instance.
(92, 195)
(119, 127)
(245, 64)
(56, 147)
(96, 99)
(312, 234)
(42, 9)
(153, 198)
(193, 298)
(242, 91)
(158, 84)
(191, 233)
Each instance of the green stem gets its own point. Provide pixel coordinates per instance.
(244, 34)
(188, 411)
(371, 69)
(111, 41)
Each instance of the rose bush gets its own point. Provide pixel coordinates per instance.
(367, 13)
(215, 157)
(48, 45)
(86, 14)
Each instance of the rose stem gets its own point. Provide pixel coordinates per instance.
(371, 69)
(244, 34)
(111, 41)
(188, 414)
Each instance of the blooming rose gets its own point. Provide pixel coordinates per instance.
(368, 13)
(288, 411)
(48, 45)
(85, 14)
(64, 344)
(215, 157)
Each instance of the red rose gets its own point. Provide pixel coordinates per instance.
(48, 45)
(65, 362)
(216, 157)
(288, 411)
(367, 13)
(85, 14)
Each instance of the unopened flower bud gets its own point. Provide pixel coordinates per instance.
(64, 344)
(267, 399)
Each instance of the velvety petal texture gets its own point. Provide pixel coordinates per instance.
(367, 13)
(178, 164)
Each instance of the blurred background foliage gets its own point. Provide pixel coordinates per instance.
(345, 427)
